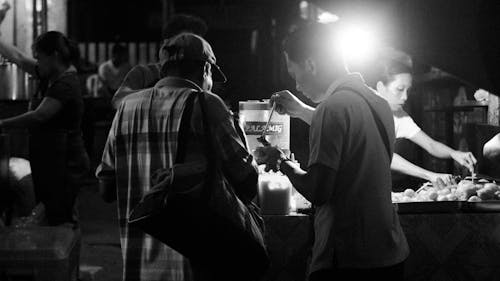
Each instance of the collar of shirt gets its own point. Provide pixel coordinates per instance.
(350, 78)
(177, 82)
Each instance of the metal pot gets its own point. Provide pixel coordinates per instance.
(15, 84)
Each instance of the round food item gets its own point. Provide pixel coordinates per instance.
(465, 183)
(452, 197)
(497, 195)
(491, 185)
(474, 199)
(442, 198)
(433, 196)
(409, 193)
(405, 199)
(444, 191)
(487, 193)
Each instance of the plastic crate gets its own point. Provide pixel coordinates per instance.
(40, 253)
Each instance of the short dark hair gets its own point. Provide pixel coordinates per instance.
(54, 41)
(184, 23)
(310, 39)
(387, 65)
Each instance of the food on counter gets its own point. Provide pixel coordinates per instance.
(474, 199)
(488, 191)
(465, 190)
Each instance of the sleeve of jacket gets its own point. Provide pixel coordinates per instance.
(238, 164)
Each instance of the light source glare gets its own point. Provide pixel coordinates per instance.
(326, 17)
(358, 43)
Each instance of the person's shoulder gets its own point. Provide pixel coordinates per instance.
(401, 114)
(143, 67)
(69, 83)
(106, 64)
(340, 99)
(145, 70)
(137, 97)
(215, 105)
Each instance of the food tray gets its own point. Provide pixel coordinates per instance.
(447, 207)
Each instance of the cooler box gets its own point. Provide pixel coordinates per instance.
(40, 253)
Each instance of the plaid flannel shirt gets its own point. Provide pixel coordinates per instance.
(142, 139)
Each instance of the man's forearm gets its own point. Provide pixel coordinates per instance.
(440, 150)
(307, 114)
(297, 177)
(27, 119)
(316, 185)
(16, 56)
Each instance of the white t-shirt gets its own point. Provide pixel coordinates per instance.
(112, 75)
(404, 125)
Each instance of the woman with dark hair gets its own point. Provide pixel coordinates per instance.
(56, 152)
(392, 80)
(391, 77)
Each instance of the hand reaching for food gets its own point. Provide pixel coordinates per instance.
(465, 159)
(439, 179)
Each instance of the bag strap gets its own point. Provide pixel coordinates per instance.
(380, 125)
(184, 128)
(213, 163)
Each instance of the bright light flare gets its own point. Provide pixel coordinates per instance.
(326, 17)
(358, 43)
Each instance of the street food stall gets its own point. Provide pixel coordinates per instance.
(453, 230)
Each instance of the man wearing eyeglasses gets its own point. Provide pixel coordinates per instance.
(144, 138)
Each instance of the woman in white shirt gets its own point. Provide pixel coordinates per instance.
(392, 81)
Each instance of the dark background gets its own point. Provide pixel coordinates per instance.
(459, 37)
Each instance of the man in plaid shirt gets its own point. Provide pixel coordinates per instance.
(143, 139)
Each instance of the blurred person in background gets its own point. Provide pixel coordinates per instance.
(57, 156)
(146, 76)
(113, 71)
(351, 138)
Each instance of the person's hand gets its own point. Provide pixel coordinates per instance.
(440, 180)
(465, 159)
(287, 103)
(269, 155)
